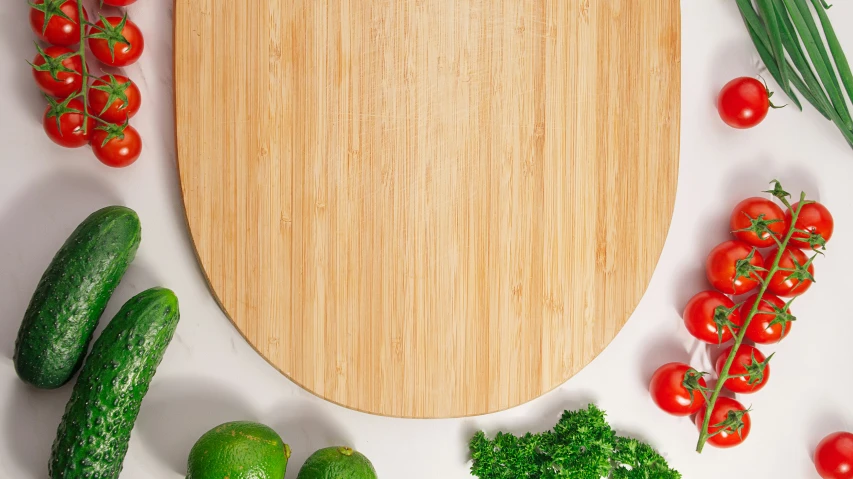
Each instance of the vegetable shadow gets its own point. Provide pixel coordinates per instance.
(662, 350)
(178, 410)
(305, 429)
(32, 229)
(32, 419)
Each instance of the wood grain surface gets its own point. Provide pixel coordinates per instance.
(428, 208)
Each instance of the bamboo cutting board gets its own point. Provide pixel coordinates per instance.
(428, 208)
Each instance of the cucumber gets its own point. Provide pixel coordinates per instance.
(92, 438)
(72, 295)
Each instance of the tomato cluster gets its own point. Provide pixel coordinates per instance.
(62, 74)
(735, 269)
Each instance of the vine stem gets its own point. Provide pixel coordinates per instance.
(738, 339)
(81, 52)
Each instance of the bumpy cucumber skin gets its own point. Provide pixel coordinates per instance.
(72, 295)
(92, 438)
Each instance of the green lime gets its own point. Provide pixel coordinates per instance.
(337, 463)
(238, 450)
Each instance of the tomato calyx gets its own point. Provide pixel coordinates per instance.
(754, 370)
(733, 424)
(815, 241)
(745, 269)
(53, 65)
(691, 384)
(770, 94)
(800, 272)
(110, 33)
(50, 9)
(779, 193)
(58, 108)
(114, 90)
(113, 131)
(722, 321)
(782, 316)
(760, 226)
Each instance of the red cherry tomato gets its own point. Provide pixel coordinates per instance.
(789, 283)
(59, 31)
(67, 83)
(833, 457)
(814, 218)
(124, 53)
(771, 323)
(757, 213)
(118, 3)
(705, 317)
(674, 388)
(748, 360)
(117, 111)
(743, 102)
(726, 267)
(732, 430)
(69, 133)
(117, 152)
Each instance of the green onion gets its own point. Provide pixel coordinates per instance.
(835, 47)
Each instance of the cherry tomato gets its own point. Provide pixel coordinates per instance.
(733, 428)
(67, 83)
(118, 3)
(833, 457)
(105, 90)
(814, 218)
(748, 360)
(761, 214)
(59, 31)
(743, 102)
(789, 283)
(125, 53)
(727, 267)
(771, 322)
(705, 317)
(117, 152)
(69, 133)
(675, 389)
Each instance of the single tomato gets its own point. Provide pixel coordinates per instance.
(116, 146)
(790, 283)
(677, 389)
(58, 31)
(114, 98)
(125, 36)
(52, 62)
(730, 267)
(749, 361)
(814, 218)
(711, 316)
(833, 457)
(772, 320)
(63, 123)
(729, 424)
(756, 221)
(743, 102)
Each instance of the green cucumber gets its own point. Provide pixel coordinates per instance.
(92, 438)
(72, 295)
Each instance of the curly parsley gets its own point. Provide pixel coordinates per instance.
(581, 446)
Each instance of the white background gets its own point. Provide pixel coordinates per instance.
(210, 375)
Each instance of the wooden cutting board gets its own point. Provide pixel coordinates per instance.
(428, 208)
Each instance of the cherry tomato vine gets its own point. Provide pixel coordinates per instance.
(79, 102)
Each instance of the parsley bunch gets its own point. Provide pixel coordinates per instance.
(581, 446)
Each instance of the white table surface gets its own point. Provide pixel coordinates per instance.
(211, 375)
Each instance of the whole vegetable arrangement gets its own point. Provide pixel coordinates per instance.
(582, 445)
(785, 31)
(738, 267)
(83, 108)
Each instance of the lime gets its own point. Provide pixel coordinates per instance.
(238, 450)
(337, 463)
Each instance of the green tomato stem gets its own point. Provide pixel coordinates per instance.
(738, 339)
(84, 69)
